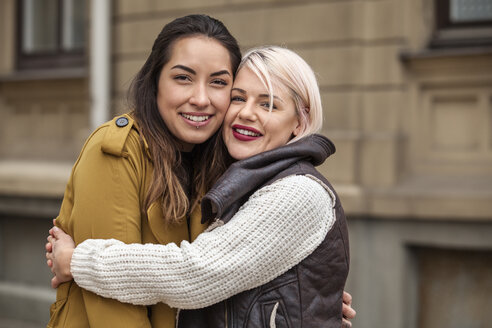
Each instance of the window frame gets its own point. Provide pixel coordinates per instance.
(47, 60)
(458, 34)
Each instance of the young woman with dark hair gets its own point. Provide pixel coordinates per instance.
(140, 176)
(166, 138)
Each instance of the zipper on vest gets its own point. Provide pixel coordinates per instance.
(226, 322)
(228, 316)
(177, 318)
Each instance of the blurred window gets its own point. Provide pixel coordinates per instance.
(463, 23)
(51, 33)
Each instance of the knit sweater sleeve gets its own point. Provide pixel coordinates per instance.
(279, 226)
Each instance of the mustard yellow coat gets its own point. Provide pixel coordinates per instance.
(103, 199)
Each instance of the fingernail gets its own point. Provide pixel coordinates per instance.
(56, 229)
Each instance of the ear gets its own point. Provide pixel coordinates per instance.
(301, 121)
(298, 128)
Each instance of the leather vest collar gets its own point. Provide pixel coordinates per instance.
(246, 176)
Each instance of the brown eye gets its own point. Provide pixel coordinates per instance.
(220, 82)
(237, 99)
(182, 78)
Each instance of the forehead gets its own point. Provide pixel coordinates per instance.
(200, 51)
(247, 80)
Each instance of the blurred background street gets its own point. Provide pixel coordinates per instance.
(407, 96)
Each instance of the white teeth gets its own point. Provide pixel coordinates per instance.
(195, 118)
(248, 133)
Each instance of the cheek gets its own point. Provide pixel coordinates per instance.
(162, 105)
(230, 115)
(228, 120)
(226, 130)
(283, 132)
(221, 100)
(281, 138)
(168, 98)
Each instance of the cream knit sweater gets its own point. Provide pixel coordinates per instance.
(279, 226)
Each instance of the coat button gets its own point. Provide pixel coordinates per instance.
(122, 122)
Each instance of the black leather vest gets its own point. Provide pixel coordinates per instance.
(309, 294)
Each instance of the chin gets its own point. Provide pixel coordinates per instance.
(200, 137)
(237, 156)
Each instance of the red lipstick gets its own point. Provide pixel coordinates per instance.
(236, 128)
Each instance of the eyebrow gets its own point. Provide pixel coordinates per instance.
(263, 95)
(239, 90)
(192, 71)
(223, 72)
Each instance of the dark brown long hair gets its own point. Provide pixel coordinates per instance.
(210, 157)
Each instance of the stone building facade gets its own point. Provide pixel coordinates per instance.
(407, 95)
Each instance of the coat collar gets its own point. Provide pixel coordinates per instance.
(246, 176)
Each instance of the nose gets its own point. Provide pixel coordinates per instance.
(247, 111)
(200, 97)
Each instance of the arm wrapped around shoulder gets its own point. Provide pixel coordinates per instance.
(279, 226)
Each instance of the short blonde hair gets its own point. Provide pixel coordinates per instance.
(283, 68)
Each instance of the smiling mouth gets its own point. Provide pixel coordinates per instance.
(247, 132)
(196, 118)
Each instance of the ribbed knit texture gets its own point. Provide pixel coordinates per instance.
(279, 226)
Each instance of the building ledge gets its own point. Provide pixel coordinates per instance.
(33, 178)
(45, 74)
(422, 198)
(440, 53)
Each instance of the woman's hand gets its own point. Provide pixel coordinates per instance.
(59, 250)
(347, 311)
